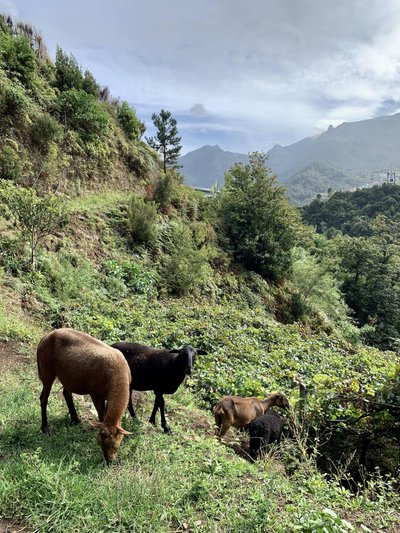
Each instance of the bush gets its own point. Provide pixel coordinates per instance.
(13, 103)
(10, 164)
(135, 277)
(45, 130)
(34, 217)
(129, 121)
(90, 85)
(17, 58)
(164, 190)
(141, 220)
(82, 113)
(184, 266)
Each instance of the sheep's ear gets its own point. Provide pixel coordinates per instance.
(95, 424)
(123, 431)
(201, 352)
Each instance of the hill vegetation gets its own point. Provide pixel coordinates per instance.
(133, 254)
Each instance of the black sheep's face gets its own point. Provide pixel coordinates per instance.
(190, 354)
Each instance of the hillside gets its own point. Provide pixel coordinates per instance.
(354, 213)
(189, 480)
(354, 154)
(96, 237)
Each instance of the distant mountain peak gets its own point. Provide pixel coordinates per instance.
(349, 155)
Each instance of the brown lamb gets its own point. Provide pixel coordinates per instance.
(85, 365)
(239, 412)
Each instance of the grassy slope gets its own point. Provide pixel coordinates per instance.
(188, 481)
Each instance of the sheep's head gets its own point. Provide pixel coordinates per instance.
(188, 354)
(279, 400)
(109, 438)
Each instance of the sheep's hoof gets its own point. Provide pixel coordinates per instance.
(75, 421)
(46, 430)
(167, 431)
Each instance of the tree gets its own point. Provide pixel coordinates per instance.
(34, 216)
(369, 271)
(259, 224)
(167, 140)
(68, 72)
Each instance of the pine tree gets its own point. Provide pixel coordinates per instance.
(167, 140)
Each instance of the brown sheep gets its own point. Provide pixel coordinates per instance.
(85, 365)
(239, 412)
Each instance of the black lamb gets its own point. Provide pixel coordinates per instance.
(263, 431)
(159, 370)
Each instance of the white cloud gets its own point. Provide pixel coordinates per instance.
(270, 72)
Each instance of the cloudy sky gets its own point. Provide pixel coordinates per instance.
(244, 74)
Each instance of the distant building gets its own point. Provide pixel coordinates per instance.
(391, 177)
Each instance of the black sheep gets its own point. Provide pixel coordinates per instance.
(159, 370)
(263, 431)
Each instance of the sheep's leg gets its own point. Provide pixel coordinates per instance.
(44, 396)
(224, 428)
(152, 418)
(254, 447)
(71, 407)
(164, 424)
(100, 405)
(130, 405)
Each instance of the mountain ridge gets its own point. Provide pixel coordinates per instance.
(356, 153)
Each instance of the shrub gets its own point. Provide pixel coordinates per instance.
(35, 217)
(10, 164)
(90, 85)
(45, 130)
(13, 103)
(81, 112)
(141, 220)
(184, 266)
(129, 121)
(17, 58)
(164, 189)
(138, 279)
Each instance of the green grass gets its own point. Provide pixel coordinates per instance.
(95, 201)
(187, 481)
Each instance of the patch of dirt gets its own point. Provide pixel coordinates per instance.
(12, 526)
(10, 357)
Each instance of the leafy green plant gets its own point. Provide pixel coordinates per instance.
(142, 220)
(130, 123)
(137, 278)
(81, 112)
(18, 58)
(35, 217)
(45, 130)
(10, 164)
(184, 265)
